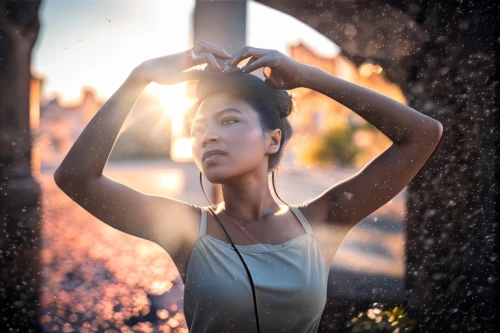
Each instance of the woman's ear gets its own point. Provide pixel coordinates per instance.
(275, 141)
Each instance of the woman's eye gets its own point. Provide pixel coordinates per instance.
(227, 120)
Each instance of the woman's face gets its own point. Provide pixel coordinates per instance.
(227, 123)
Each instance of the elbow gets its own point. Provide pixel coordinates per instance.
(66, 181)
(430, 136)
(58, 178)
(438, 130)
(61, 179)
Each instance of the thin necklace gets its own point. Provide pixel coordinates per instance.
(249, 235)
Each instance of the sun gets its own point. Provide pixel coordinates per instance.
(175, 102)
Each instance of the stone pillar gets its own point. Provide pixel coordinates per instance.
(19, 192)
(452, 220)
(222, 23)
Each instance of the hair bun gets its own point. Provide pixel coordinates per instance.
(284, 103)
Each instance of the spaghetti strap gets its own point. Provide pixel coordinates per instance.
(215, 266)
(203, 223)
(301, 218)
(296, 211)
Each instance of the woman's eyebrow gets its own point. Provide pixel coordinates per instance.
(218, 114)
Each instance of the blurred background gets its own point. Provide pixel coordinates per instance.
(85, 51)
(95, 278)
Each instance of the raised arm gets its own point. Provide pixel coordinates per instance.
(415, 136)
(80, 175)
(88, 155)
(165, 221)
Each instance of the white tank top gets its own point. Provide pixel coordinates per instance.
(290, 282)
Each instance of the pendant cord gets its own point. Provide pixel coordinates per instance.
(248, 234)
(234, 246)
(247, 270)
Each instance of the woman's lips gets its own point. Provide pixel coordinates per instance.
(214, 158)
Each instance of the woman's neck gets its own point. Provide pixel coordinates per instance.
(249, 203)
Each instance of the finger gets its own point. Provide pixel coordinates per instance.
(249, 62)
(258, 63)
(246, 52)
(215, 49)
(239, 55)
(221, 53)
(212, 60)
(218, 52)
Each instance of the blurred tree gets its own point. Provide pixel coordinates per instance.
(442, 55)
(20, 203)
(337, 145)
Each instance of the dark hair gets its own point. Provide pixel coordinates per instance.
(272, 105)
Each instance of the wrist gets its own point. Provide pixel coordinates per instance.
(139, 76)
(188, 58)
(307, 74)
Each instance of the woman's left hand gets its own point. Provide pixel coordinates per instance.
(285, 72)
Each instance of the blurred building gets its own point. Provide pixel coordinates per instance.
(145, 133)
(61, 124)
(317, 114)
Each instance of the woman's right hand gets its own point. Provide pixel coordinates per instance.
(171, 69)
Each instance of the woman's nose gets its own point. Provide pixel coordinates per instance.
(209, 136)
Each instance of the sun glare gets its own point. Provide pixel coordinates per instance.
(175, 102)
(173, 98)
(172, 181)
(181, 150)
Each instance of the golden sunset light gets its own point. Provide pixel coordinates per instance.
(103, 275)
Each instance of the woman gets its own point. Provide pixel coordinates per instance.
(239, 131)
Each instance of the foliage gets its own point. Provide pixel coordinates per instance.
(376, 319)
(337, 145)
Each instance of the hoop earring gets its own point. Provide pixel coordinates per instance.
(201, 183)
(274, 188)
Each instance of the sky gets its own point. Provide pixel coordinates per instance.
(98, 42)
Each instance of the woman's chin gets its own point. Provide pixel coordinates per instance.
(215, 177)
